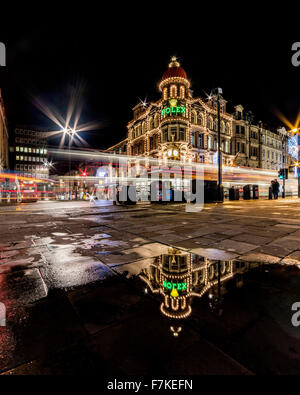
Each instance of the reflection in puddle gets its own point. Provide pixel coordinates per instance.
(179, 276)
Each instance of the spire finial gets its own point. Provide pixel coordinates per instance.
(174, 62)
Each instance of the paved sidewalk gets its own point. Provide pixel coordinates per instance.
(72, 307)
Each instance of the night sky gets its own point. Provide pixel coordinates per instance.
(115, 61)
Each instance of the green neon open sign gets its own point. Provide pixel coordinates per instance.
(173, 111)
(178, 286)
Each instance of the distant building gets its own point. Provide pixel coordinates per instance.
(4, 156)
(181, 127)
(29, 153)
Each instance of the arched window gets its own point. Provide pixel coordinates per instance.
(182, 92)
(151, 123)
(227, 131)
(173, 91)
(201, 119)
(144, 127)
(216, 124)
(210, 123)
(156, 120)
(165, 93)
(222, 127)
(194, 117)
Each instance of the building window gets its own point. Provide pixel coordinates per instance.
(222, 126)
(165, 93)
(193, 139)
(194, 117)
(182, 92)
(209, 142)
(17, 157)
(201, 119)
(182, 134)
(173, 91)
(215, 144)
(216, 124)
(200, 140)
(227, 129)
(210, 123)
(150, 123)
(227, 147)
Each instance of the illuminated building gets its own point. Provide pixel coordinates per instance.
(181, 127)
(178, 126)
(4, 158)
(29, 153)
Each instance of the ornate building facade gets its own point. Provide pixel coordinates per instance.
(181, 127)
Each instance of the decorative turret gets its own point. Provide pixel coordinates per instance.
(174, 82)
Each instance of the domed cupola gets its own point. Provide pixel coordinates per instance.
(174, 82)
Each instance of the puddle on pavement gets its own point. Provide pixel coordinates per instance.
(184, 283)
(241, 307)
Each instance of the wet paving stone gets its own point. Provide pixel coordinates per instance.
(65, 269)
(100, 307)
(87, 292)
(42, 329)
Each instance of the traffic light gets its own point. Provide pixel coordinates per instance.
(283, 174)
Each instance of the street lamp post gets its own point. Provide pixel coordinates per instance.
(249, 118)
(71, 133)
(284, 161)
(216, 96)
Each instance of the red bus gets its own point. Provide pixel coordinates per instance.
(9, 189)
(28, 191)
